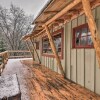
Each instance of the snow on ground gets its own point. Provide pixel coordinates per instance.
(14, 66)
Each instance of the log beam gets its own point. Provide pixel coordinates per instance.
(62, 12)
(60, 20)
(35, 50)
(51, 12)
(39, 22)
(58, 15)
(53, 47)
(92, 26)
(32, 53)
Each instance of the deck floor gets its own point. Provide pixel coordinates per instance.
(40, 83)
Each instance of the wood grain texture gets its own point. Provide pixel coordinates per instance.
(46, 84)
(93, 27)
(52, 44)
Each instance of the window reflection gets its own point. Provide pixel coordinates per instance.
(83, 41)
(57, 40)
(82, 36)
(78, 37)
(90, 40)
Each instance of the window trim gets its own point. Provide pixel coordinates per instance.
(62, 44)
(73, 38)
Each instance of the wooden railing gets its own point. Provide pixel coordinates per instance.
(3, 60)
(19, 54)
(4, 56)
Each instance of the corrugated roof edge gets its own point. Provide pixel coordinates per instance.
(46, 5)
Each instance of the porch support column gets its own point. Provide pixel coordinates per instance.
(92, 27)
(54, 50)
(32, 54)
(35, 50)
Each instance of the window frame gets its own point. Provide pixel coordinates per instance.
(74, 37)
(62, 43)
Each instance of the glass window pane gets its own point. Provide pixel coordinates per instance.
(89, 33)
(82, 36)
(84, 32)
(46, 45)
(77, 33)
(90, 40)
(83, 41)
(77, 37)
(57, 41)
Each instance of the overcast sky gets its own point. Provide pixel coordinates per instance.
(29, 6)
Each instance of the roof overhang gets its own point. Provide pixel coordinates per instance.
(57, 12)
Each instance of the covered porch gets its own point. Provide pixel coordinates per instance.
(38, 82)
(36, 79)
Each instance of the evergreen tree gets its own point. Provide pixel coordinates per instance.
(2, 46)
(2, 49)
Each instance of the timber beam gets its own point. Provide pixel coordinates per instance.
(35, 50)
(92, 27)
(39, 22)
(40, 33)
(32, 53)
(62, 12)
(60, 20)
(51, 12)
(53, 47)
(57, 16)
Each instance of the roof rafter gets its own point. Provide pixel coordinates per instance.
(51, 12)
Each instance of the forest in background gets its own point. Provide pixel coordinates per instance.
(14, 23)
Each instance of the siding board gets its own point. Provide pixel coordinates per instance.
(97, 83)
(80, 57)
(68, 50)
(73, 56)
(89, 69)
(80, 67)
(97, 79)
(55, 66)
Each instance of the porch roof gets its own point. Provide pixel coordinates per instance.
(54, 7)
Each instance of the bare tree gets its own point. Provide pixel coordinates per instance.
(13, 25)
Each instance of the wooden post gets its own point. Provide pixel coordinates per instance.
(35, 51)
(54, 50)
(30, 50)
(93, 27)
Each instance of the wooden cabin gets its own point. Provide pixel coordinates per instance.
(67, 31)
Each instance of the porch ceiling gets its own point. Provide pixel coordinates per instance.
(53, 8)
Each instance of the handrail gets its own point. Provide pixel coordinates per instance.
(19, 54)
(10, 51)
(12, 54)
(3, 53)
(4, 57)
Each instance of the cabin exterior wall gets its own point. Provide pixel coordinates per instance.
(80, 65)
(50, 62)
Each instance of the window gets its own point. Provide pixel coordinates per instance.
(58, 39)
(46, 46)
(82, 37)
